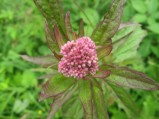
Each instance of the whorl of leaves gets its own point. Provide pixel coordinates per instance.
(58, 30)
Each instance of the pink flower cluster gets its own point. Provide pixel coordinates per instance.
(79, 58)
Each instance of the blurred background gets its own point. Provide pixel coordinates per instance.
(21, 32)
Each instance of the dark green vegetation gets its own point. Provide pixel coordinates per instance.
(22, 32)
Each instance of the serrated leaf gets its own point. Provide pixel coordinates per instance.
(108, 26)
(99, 101)
(44, 61)
(85, 95)
(55, 86)
(124, 29)
(53, 12)
(60, 100)
(123, 76)
(131, 108)
(127, 49)
(118, 43)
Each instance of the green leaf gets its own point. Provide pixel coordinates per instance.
(99, 101)
(20, 105)
(58, 36)
(81, 29)
(108, 26)
(128, 48)
(128, 12)
(28, 79)
(150, 107)
(103, 51)
(153, 6)
(53, 12)
(102, 74)
(44, 61)
(154, 27)
(144, 49)
(6, 101)
(89, 16)
(85, 95)
(124, 29)
(72, 109)
(60, 100)
(140, 18)
(50, 38)
(53, 40)
(139, 5)
(130, 107)
(117, 114)
(151, 20)
(118, 43)
(55, 86)
(155, 15)
(126, 24)
(155, 50)
(123, 76)
(68, 26)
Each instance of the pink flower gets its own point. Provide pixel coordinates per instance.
(79, 58)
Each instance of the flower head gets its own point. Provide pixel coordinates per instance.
(79, 58)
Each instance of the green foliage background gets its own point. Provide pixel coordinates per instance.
(21, 32)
